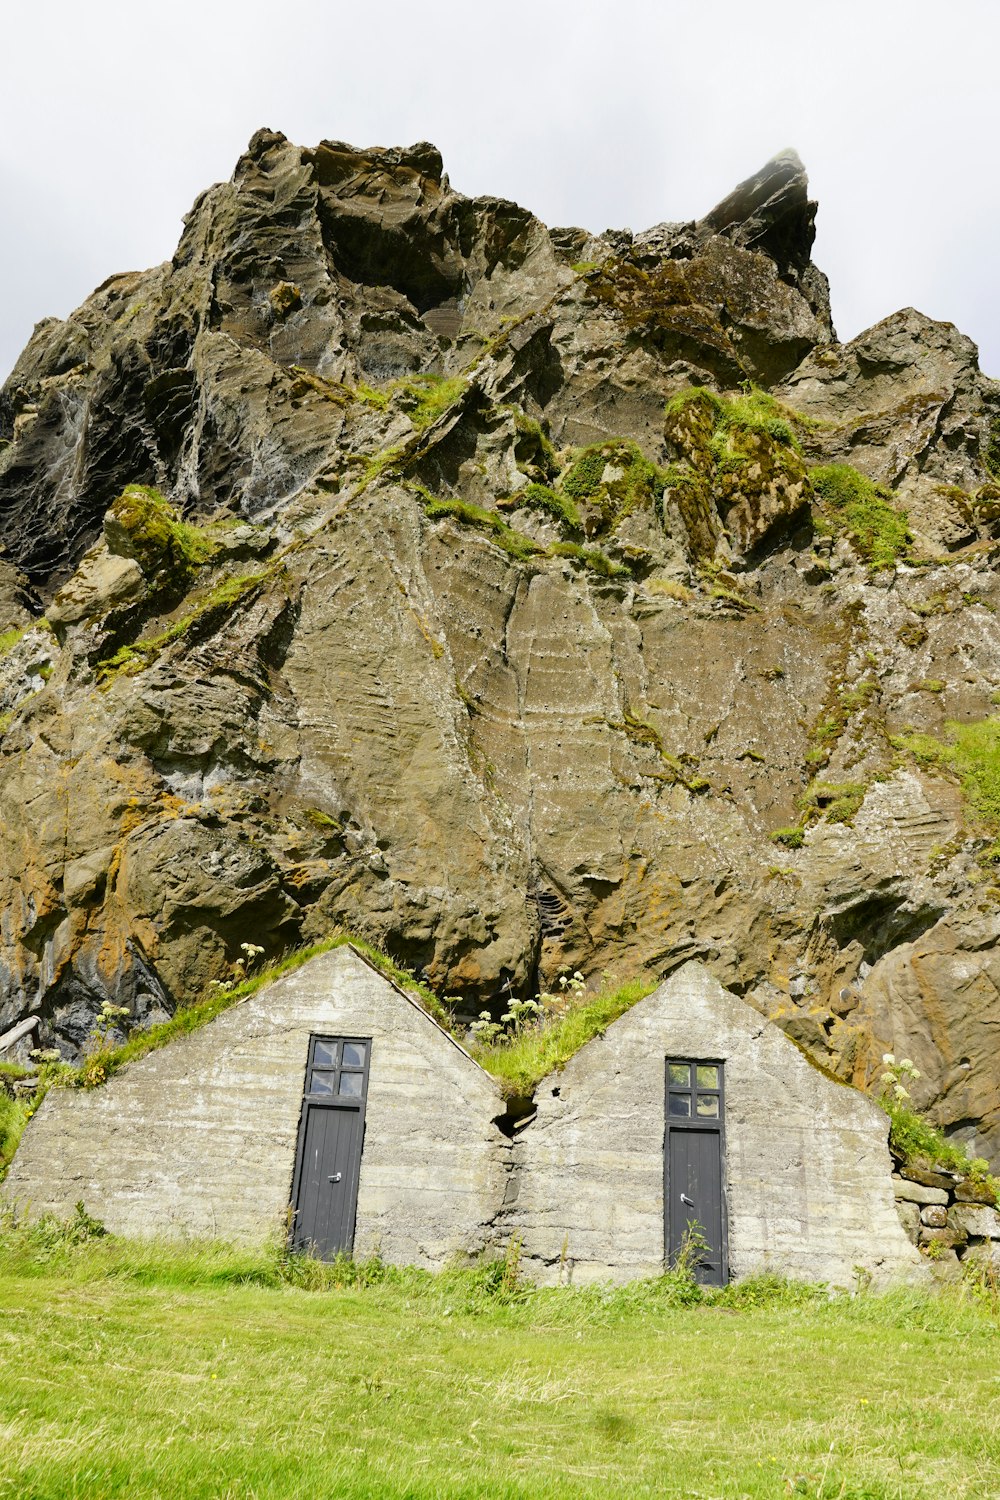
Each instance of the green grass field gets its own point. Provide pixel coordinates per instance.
(125, 1372)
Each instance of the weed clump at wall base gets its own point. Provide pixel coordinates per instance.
(864, 510)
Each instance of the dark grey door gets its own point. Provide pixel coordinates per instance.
(693, 1168)
(331, 1138)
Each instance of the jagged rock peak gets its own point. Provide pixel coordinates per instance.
(770, 211)
(423, 157)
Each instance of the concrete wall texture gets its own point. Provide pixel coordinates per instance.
(807, 1172)
(198, 1139)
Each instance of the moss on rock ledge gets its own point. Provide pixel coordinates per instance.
(141, 524)
(739, 467)
(851, 502)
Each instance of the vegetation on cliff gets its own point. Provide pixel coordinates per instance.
(298, 497)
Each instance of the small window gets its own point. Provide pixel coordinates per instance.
(694, 1090)
(337, 1068)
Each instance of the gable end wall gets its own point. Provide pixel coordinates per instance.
(807, 1171)
(198, 1139)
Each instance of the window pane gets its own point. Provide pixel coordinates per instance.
(680, 1075)
(708, 1076)
(708, 1105)
(325, 1055)
(322, 1083)
(354, 1054)
(680, 1104)
(350, 1084)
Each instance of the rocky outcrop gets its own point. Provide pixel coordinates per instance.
(389, 560)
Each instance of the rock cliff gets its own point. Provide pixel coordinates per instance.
(523, 599)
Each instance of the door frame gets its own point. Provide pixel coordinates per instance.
(346, 1105)
(706, 1125)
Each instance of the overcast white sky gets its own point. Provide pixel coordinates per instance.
(116, 114)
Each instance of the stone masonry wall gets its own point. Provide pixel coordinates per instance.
(807, 1170)
(951, 1218)
(198, 1139)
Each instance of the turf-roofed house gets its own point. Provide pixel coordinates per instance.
(328, 1099)
(330, 1106)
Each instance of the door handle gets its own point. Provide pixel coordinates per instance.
(684, 1199)
(334, 1178)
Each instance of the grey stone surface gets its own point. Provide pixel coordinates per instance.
(404, 727)
(985, 1253)
(977, 1219)
(807, 1172)
(198, 1139)
(909, 1217)
(916, 1192)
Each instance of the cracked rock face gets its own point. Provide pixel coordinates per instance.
(387, 560)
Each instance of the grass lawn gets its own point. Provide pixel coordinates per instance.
(124, 1376)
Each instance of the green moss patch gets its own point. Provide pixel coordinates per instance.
(865, 511)
(207, 613)
(837, 801)
(611, 480)
(792, 837)
(754, 410)
(680, 769)
(147, 528)
(10, 638)
(514, 543)
(734, 451)
(589, 557)
(972, 753)
(522, 1061)
(532, 446)
(423, 397)
(542, 497)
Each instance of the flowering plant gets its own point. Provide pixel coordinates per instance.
(892, 1077)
